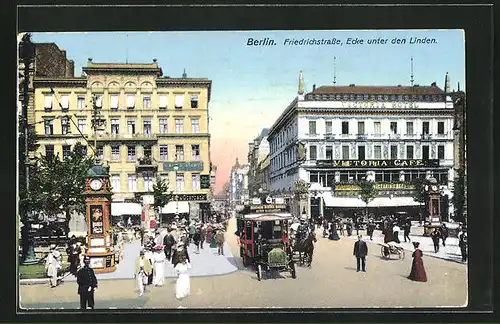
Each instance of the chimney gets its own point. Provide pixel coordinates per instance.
(433, 84)
(155, 60)
(90, 60)
(446, 83)
(314, 87)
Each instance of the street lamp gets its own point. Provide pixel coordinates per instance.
(26, 53)
(176, 168)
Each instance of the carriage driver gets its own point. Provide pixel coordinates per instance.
(303, 229)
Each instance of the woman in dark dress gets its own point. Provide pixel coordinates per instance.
(333, 232)
(417, 268)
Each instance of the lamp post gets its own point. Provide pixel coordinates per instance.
(176, 168)
(26, 53)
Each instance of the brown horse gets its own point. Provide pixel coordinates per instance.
(306, 246)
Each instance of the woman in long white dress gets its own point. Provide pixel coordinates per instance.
(159, 267)
(183, 285)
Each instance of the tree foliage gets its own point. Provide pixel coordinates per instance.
(57, 186)
(418, 192)
(367, 192)
(301, 188)
(161, 193)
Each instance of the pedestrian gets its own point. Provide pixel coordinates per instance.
(203, 235)
(72, 257)
(213, 245)
(407, 230)
(370, 228)
(182, 285)
(219, 240)
(435, 236)
(341, 226)
(53, 264)
(148, 254)
(462, 243)
(179, 253)
(191, 231)
(417, 272)
(357, 225)
(444, 233)
(197, 239)
(168, 242)
(142, 270)
(83, 249)
(360, 252)
(395, 231)
(349, 227)
(87, 283)
(159, 266)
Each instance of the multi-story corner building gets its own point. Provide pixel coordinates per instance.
(238, 184)
(258, 150)
(152, 125)
(335, 136)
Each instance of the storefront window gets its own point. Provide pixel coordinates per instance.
(313, 177)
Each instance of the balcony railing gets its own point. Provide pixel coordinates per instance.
(425, 137)
(146, 162)
(361, 136)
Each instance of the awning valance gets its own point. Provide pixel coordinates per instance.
(352, 202)
(122, 208)
(172, 207)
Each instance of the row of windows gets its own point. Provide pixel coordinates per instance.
(149, 180)
(377, 152)
(114, 100)
(328, 179)
(284, 159)
(374, 97)
(376, 127)
(131, 152)
(131, 126)
(284, 137)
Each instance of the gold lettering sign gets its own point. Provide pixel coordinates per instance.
(378, 163)
(379, 104)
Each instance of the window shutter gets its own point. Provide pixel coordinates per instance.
(130, 101)
(163, 102)
(114, 101)
(48, 101)
(179, 100)
(65, 101)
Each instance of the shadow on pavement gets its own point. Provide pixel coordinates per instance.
(350, 268)
(104, 304)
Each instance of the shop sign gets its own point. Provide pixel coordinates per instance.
(377, 163)
(190, 197)
(205, 181)
(270, 208)
(183, 166)
(378, 186)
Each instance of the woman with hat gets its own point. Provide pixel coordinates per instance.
(148, 254)
(417, 267)
(180, 253)
(159, 266)
(53, 264)
(182, 285)
(142, 271)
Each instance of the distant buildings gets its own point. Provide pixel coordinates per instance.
(258, 159)
(237, 188)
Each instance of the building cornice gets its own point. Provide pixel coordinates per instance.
(372, 112)
(43, 82)
(185, 83)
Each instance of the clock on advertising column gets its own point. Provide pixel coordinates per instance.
(98, 211)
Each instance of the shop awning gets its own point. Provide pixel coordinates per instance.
(123, 208)
(352, 202)
(172, 207)
(393, 202)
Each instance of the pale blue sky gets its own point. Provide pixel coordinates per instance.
(252, 85)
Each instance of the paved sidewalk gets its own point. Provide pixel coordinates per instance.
(205, 263)
(450, 252)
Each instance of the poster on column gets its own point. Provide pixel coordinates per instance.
(96, 219)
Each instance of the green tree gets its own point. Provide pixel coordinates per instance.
(61, 184)
(367, 192)
(458, 198)
(161, 194)
(418, 193)
(301, 188)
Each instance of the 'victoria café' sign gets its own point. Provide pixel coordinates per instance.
(379, 104)
(377, 163)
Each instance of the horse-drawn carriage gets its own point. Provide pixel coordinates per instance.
(264, 242)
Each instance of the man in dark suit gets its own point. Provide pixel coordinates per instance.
(360, 252)
(87, 283)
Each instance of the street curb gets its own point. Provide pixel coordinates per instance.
(46, 280)
(431, 255)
